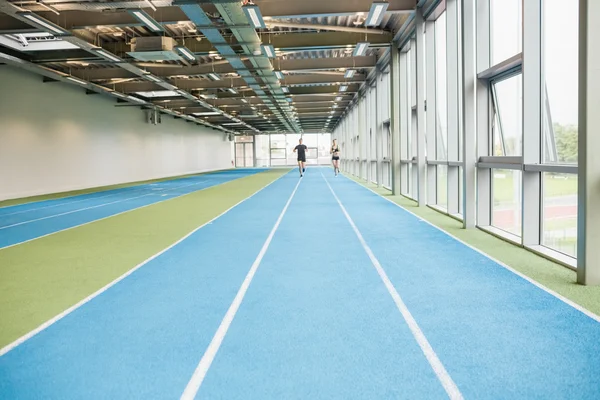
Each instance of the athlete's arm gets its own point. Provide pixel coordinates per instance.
(295, 148)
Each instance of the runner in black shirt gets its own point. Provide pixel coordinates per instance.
(301, 157)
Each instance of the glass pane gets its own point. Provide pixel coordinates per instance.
(442, 186)
(262, 150)
(506, 207)
(561, 71)
(278, 154)
(560, 213)
(509, 94)
(460, 190)
(278, 141)
(441, 88)
(506, 29)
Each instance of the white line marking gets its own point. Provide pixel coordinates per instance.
(514, 271)
(437, 366)
(96, 206)
(66, 203)
(69, 310)
(211, 351)
(114, 215)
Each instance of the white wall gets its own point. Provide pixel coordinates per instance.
(55, 138)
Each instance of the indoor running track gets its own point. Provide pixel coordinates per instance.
(25, 222)
(305, 299)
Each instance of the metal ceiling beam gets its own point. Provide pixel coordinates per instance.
(223, 67)
(322, 8)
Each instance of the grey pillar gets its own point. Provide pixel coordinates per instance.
(395, 119)
(588, 222)
(421, 132)
(469, 109)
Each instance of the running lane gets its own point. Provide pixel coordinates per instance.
(30, 221)
(141, 338)
(499, 336)
(317, 322)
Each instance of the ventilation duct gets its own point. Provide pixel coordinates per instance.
(154, 48)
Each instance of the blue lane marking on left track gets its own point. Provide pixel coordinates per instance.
(19, 225)
(141, 338)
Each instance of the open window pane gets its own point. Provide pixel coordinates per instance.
(507, 96)
(506, 206)
(560, 101)
(560, 213)
(506, 21)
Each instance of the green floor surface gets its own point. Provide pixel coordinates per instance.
(550, 274)
(60, 195)
(44, 277)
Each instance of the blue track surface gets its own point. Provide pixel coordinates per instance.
(317, 321)
(29, 221)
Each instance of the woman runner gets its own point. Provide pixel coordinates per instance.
(335, 156)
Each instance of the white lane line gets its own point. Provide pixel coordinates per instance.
(114, 215)
(67, 203)
(514, 271)
(68, 311)
(96, 206)
(437, 366)
(211, 351)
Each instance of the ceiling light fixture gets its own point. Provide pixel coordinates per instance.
(339, 98)
(152, 6)
(343, 88)
(42, 23)
(152, 78)
(268, 50)
(378, 9)
(254, 15)
(244, 101)
(279, 74)
(186, 53)
(214, 76)
(147, 20)
(207, 113)
(232, 90)
(47, 7)
(76, 80)
(136, 99)
(285, 89)
(361, 49)
(108, 56)
(349, 73)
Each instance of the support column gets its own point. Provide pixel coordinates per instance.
(431, 111)
(395, 119)
(469, 109)
(404, 115)
(588, 221)
(532, 122)
(421, 131)
(378, 133)
(453, 81)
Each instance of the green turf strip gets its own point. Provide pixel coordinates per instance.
(550, 274)
(60, 195)
(42, 278)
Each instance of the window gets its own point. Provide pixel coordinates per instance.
(560, 93)
(506, 206)
(442, 186)
(560, 213)
(507, 122)
(506, 34)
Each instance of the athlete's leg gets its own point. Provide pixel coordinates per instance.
(303, 166)
(300, 167)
